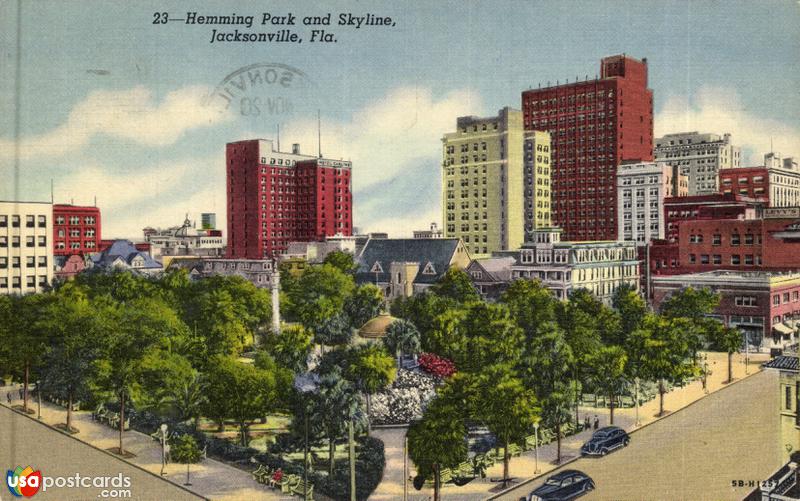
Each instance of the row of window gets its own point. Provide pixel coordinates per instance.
(735, 239)
(74, 220)
(30, 262)
(776, 299)
(736, 259)
(29, 241)
(30, 221)
(30, 281)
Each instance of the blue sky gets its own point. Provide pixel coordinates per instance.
(112, 106)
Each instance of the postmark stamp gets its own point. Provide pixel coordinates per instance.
(267, 92)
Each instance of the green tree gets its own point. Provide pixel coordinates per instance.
(240, 392)
(185, 450)
(215, 318)
(402, 337)
(26, 337)
(631, 309)
(344, 261)
(334, 405)
(372, 369)
(290, 347)
(134, 328)
(438, 440)
(74, 324)
(531, 305)
(663, 352)
(556, 412)
(445, 335)
(694, 307)
(422, 310)
(170, 384)
(505, 406)
(606, 369)
(491, 337)
(455, 284)
(364, 304)
(320, 294)
(333, 331)
(728, 340)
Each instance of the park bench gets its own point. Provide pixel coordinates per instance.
(546, 436)
(287, 483)
(262, 474)
(465, 469)
(299, 489)
(627, 401)
(514, 450)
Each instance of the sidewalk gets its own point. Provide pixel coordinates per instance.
(523, 467)
(210, 478)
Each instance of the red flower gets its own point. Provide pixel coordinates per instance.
(437, 366)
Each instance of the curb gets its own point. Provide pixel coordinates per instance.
(562, 465)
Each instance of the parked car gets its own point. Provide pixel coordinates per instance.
(563, 486)
(605, 440)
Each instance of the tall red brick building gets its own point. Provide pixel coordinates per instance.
(76, 230)
(594, 126)
(277, 197)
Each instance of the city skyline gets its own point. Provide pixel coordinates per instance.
(130, 124)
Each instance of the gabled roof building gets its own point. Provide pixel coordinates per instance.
(122, 254)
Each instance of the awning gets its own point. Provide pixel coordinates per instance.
(783, 329)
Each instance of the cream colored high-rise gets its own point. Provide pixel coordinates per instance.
(26, 247)
(487, 195)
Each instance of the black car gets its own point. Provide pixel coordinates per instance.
(605, 440)
(563, 486)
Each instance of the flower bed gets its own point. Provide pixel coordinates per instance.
(405, 399)
(436, 365)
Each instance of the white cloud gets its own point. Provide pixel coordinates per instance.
(132, 114)
(157, 195)
(400, 225)
(720, 110)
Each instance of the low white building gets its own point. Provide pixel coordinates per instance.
(26, 246)
(185, 240)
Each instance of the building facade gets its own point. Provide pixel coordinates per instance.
(700, 157)
(26, 249)
(764, 306)
(789, 388)
(641, 190)
(562, 267)
(124, 255)
(208, 221)
(184, 240)
(594, 126)
(256, 271)
(433, 232)
(482, 182)
(76, 230)
(777, 183)
(276, 197)
(402, 267)
(538, 181)
(718, 206)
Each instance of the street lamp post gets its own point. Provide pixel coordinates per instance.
(746, 353)
(39, 399)
(306, 384)
(636, 398)
(536, 446)
(163, 430)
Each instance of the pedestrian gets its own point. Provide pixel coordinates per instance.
(596, 422)
(8, 397)
(586, 423)
(21, 393)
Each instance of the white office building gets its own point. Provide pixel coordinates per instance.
(700, 157)
(26, 247)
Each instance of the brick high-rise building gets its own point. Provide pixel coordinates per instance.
(76, 229)
(276, 197)
(594, 125)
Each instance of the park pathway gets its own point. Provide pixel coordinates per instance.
(210, 479)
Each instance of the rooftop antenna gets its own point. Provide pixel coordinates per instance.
(279, 136)
(95, 200)
(319, 135)
(51, 190)
(770, 145)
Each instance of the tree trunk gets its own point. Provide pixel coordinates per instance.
(243, 430)
(436, 482)
(558, 442)
(25, 388)
(69, 411)
(661, 397)
(506, 459)
(730, 367)
(121, 420)
(369, 409)
(187, 474)
(331, 452)
(220, 425)
(611, 406)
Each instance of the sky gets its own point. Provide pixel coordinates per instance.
(107, 104)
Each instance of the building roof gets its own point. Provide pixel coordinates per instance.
(433, 255)
(783, 362)
(754, 278)
(125, 250)
(376, 327)
(499, 268)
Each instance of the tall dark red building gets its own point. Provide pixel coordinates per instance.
(76, 230)
(594, 126)
(277, 197)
